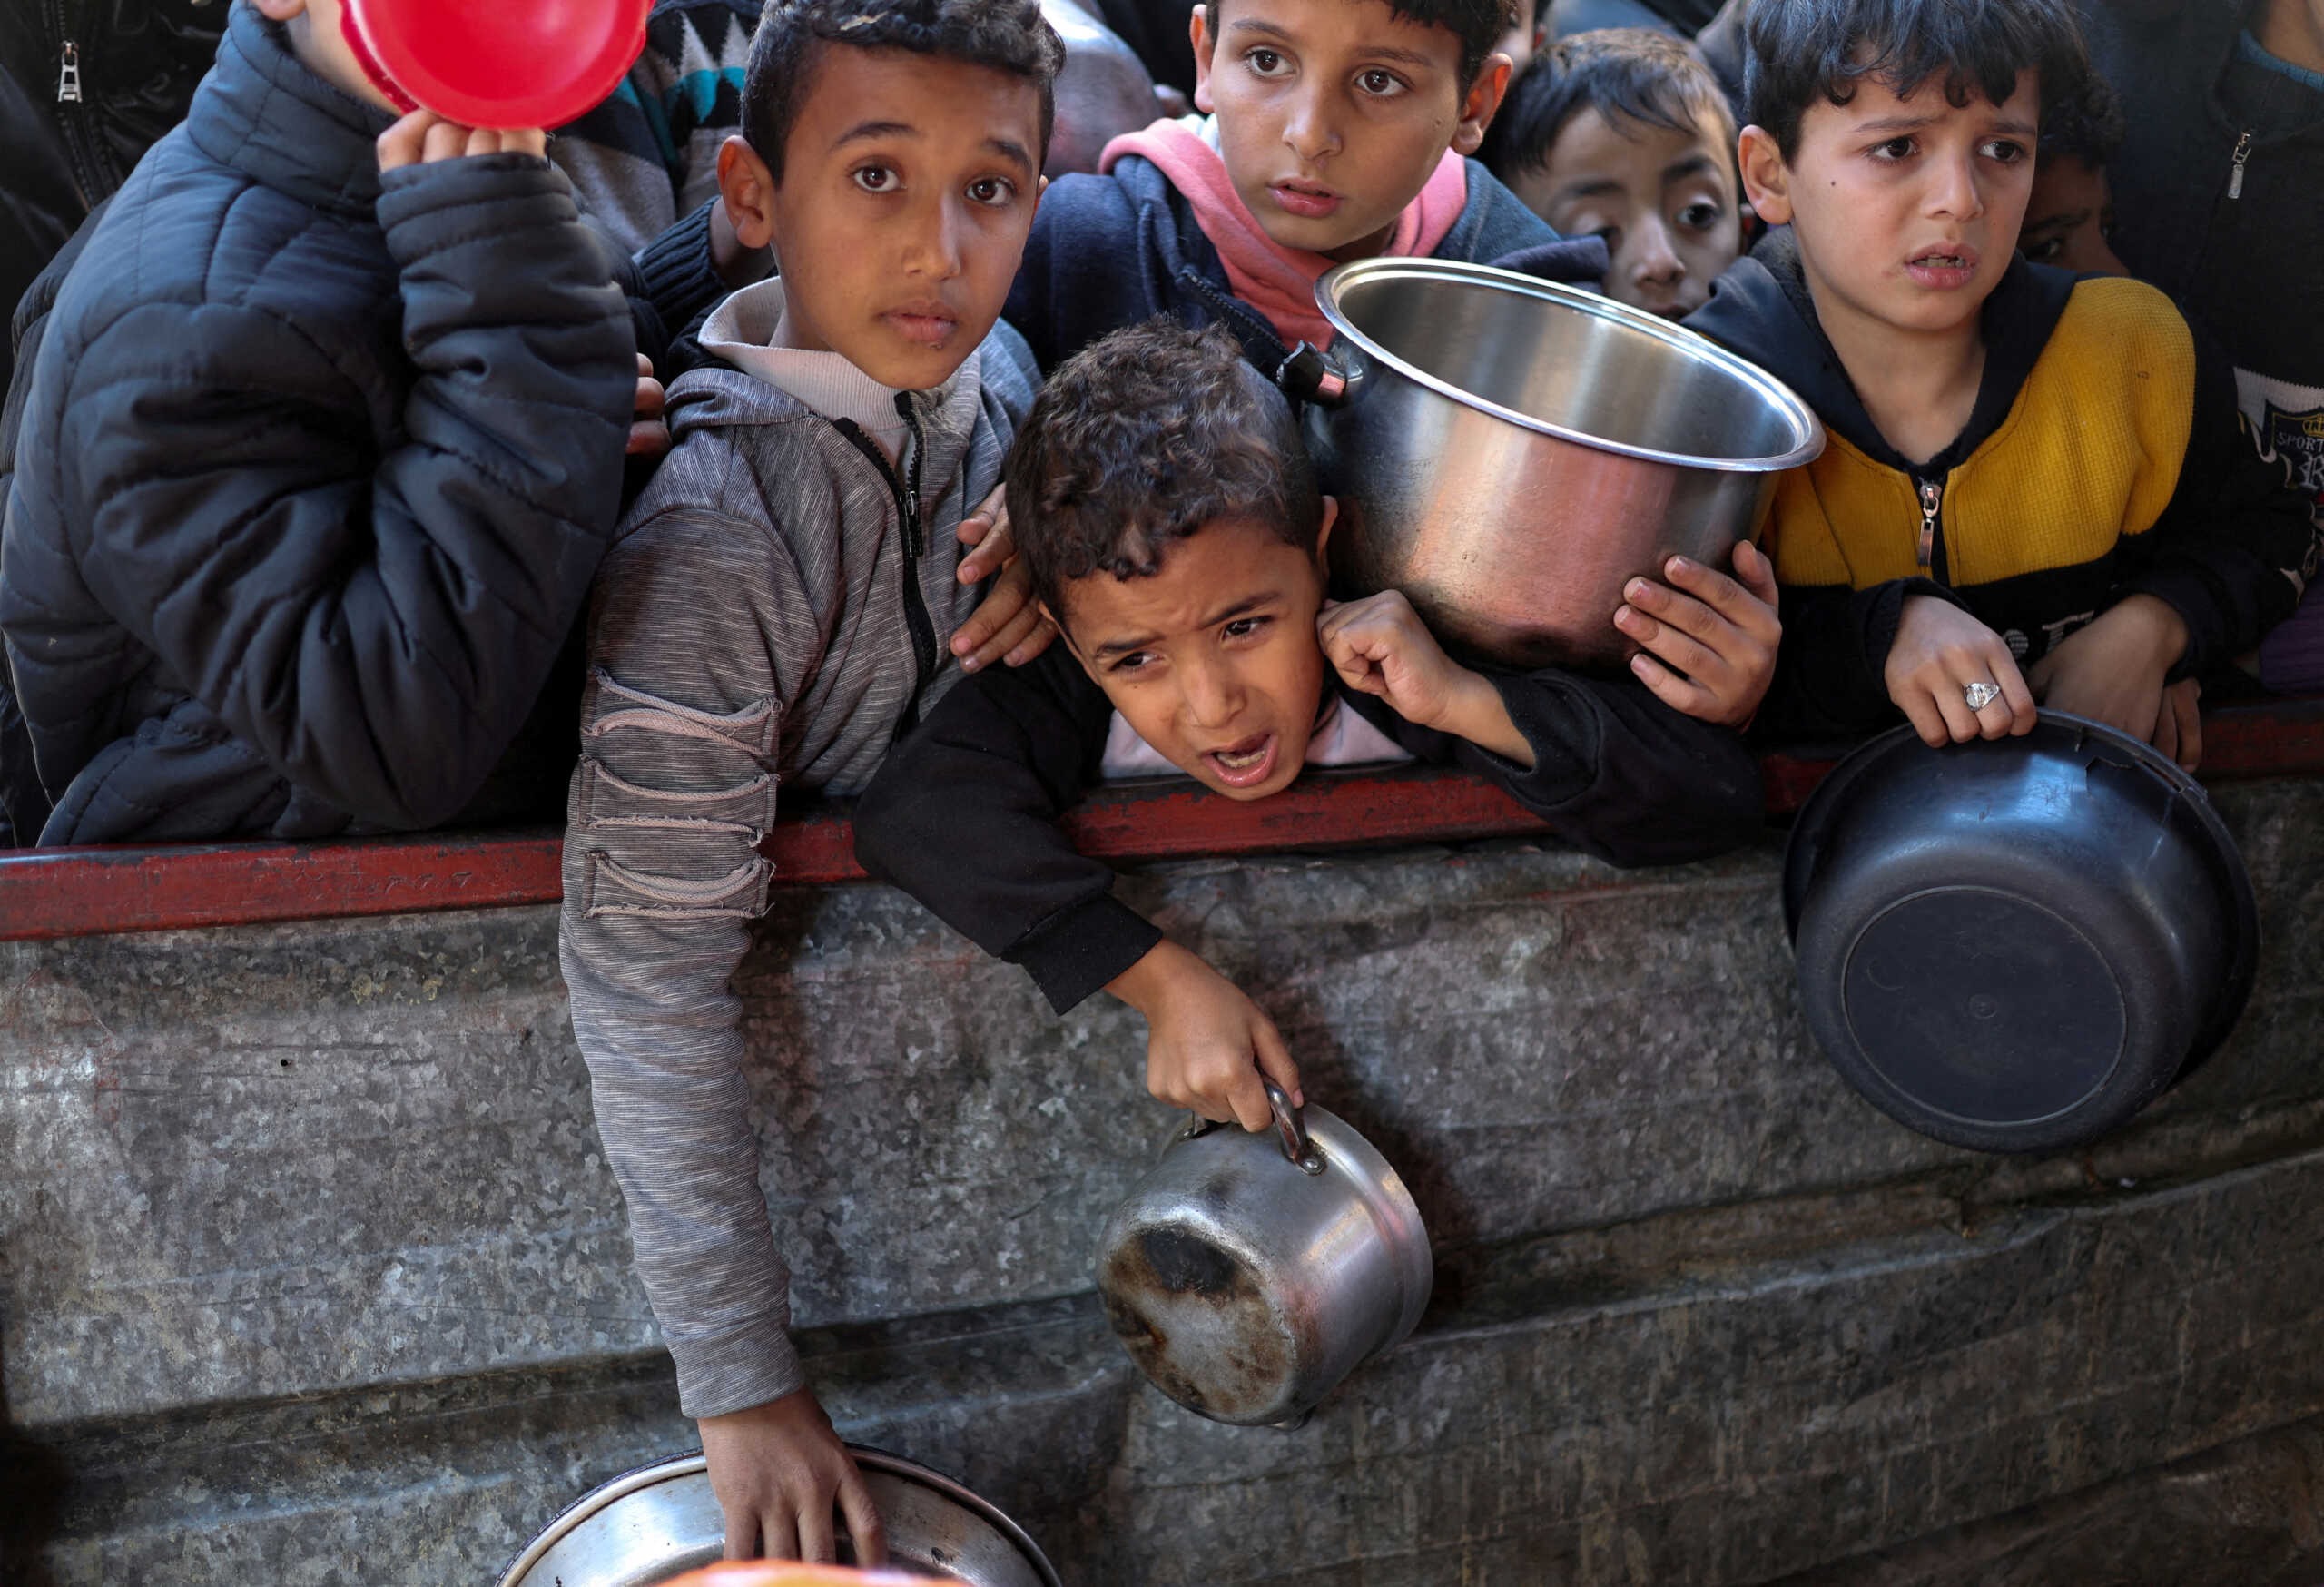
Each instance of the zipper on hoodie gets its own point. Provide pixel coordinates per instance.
(2235, 170)
(73, 124)
(1932, 495)
(906, 491)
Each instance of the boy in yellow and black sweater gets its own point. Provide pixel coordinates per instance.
(2034, 487)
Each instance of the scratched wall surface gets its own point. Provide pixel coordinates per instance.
(310, 1270)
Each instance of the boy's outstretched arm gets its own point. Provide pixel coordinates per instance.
(376, 627)
(702, 634)
(964, 816)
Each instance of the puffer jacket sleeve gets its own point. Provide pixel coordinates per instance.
(701, 635)
(375, 624)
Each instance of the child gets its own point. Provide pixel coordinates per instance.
(1625, 134)
(2070, 214)
(322, 444)
(2033, 487)
(2216, 190)
(774, 609)
(1338, 131)
(1176, 536)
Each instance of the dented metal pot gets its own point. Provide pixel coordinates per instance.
(1247, 1275)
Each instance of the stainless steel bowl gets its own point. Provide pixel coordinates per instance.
(1509, 452)
(661, 1521)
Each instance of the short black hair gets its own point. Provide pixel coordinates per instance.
(1139, 439)
(1008, 36)
(2090, 129)
(1635, 73)
(1799, 51)
(1479, 24)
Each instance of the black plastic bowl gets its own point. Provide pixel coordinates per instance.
(2017, 945)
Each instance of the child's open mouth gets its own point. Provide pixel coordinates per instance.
(1943, 268)
(1244, 764)
(1305, 201)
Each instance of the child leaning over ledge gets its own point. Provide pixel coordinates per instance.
(776, 606)
(1176, 536)
(319, 451)
(2034, 486)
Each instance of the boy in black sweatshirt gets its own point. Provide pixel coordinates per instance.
(1176, 536)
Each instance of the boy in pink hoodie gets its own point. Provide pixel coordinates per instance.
(1336, 130)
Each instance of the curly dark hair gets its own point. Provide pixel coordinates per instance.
(1008, 36)
(2092, 129)
(1797, 52)
(1635, 73)
(1479, 24)
(1139, 439)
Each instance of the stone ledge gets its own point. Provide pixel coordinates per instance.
(63, 892)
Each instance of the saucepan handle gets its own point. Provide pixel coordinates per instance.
(1293, 1129)
(1308, 375)
(1297, 1147)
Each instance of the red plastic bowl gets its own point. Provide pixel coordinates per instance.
(499, 63)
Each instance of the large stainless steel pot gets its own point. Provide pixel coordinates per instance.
(661, 1521)
(2016, 945)
(1509, 452)
(1248, 1274)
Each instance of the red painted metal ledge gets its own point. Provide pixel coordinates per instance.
(71, 892)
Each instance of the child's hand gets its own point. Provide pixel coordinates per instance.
(1008, 622)
(1206, 1042)
(648, 436)
(1940, 651)
(778, 1469)
(423, 137)
(2112, 671)
(2179, 726)
(1379, 645)
(1710, 651)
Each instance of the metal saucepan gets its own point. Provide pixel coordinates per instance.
(2014, 945)
(661, 1521)
(1247, 1275)
(1509, 452)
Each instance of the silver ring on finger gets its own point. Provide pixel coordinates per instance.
(1981, 695)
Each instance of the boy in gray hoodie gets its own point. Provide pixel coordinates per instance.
(775, 609)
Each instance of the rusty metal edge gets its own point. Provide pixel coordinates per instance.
(84, 892)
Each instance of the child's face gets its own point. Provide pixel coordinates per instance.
(909, 184)
(2070, 218)
(1333, 114)
(1213, 658)
(1523, 39)
(1906, 211)
(1664, 200)
(315, 27)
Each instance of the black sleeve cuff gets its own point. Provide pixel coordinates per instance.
(1565, 742)
(1077, 950)
(675, 272)
(2196, 601)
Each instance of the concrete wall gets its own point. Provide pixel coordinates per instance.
(311, 1271)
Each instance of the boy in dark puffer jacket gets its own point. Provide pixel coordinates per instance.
(321, 449)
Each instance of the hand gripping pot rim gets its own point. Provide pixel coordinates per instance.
(425, 54)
